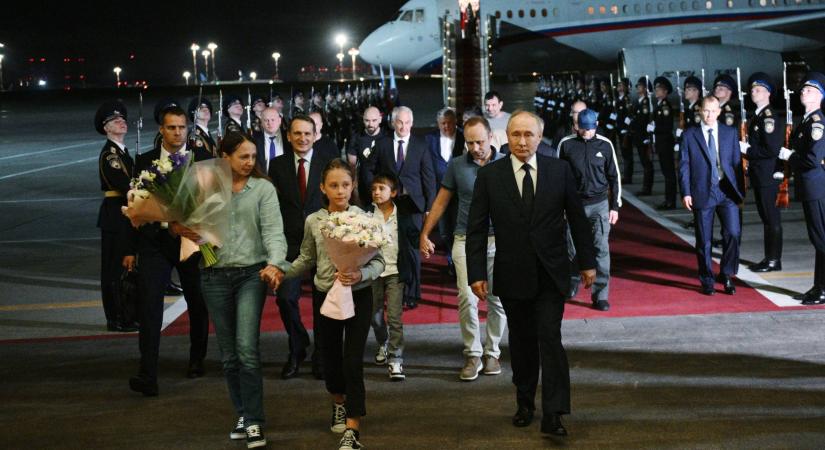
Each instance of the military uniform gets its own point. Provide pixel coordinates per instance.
(163, 104)
(200, 140)
(765, 138)
(665, 141)
(115, 171)
(232, 125)
(808, 145)
(621, 118)
(639, 118)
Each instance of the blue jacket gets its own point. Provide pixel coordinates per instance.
(695, 167)
(434, 146)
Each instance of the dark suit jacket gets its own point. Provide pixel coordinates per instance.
(766, 134)
(695, 167)
(522, 242)
(416, 175)
(543, 149)
(263, 148)
(434, 146)
(285, 178)
(407, 242)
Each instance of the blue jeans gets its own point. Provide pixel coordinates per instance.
(235, 298)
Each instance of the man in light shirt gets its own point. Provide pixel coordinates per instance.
(496, 117)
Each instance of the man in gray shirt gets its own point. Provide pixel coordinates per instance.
(496, 117)
(459, 180)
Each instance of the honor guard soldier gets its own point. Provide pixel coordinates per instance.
(258, 105)
(160, 106)
(639, 118)
(765, 138)
(664, 142)
(297, 105)
(622, 120)
(200, 140)
(723, 88)
(233, 111)
(805, 158)
(693, 95)
(115, 170)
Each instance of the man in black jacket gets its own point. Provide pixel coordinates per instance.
(593, 160)
(158, 251)
(297, 178)
(526, 198)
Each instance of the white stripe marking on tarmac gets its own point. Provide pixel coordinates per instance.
(752, 279)
(172, 313)
(53, 166)
(40, 152)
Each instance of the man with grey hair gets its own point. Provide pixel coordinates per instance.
(406, 156)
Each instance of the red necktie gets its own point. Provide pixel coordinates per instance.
(302, 179)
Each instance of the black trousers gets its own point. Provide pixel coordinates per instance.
(765, 199)
(111, 268)
(814, 211)
(626, 145)
(342, 347)
(664, 149)
(646, 159)
(287, 299)
(154, 273)
(534, 326)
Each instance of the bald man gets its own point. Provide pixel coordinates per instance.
(361, 151)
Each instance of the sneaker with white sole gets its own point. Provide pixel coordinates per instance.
(255, 437)
(349, 441)
(492, 366)
(471, 368)
(396, 371)
(381, 355)
(239, 432)
(339, 418)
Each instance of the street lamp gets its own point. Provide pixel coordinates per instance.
(1, 70)
(354, 53)
(117, 71)
(340, 57)
(186, 75)
(212, 47)
(253, 75)
(195, 48)
(276, 56)
(340, 39)
(206, 54)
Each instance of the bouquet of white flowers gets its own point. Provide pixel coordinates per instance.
(351, 239)
(174, 189)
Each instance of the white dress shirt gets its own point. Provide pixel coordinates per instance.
(715, 128)
(307, 160)
(279, 148)
(519, 172)
(395, 139)
(446, 146)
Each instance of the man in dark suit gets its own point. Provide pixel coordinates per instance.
(406, 156)
(526, 198)
(709, 170)
(297, 178)
(270, 142)
(445, 144)
(158, 251)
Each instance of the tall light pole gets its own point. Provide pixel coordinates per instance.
(276, 56)
(117, 71)
(195, 48)
(213, 47)
(340, 39)
(354, 53)
(2, 86)
(340, 57)
(253, 75)
(206, 54)
(186, 75)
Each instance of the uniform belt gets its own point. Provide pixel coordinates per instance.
(112, 194)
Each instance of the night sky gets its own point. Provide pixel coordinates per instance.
(159, 35)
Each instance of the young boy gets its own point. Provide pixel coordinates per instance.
(397, 272)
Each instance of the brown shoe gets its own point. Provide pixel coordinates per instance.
(471, 368)
(491, 366)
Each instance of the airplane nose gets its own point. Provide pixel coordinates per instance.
(374, 49)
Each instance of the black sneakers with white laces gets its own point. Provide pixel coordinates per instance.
(255, 437)
(349, 441)
(338, 423)
(239, 432)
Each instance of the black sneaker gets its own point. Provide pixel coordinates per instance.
(239, 432)
(255, 437)
(349, 441)
(339, 418)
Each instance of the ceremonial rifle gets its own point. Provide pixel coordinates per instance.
(704, 85)
(139, 128)
(783, 197)
(743, 126)
(681, 100)
(248, 112)
(652, 115)
(220, 116)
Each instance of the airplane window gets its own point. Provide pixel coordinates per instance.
(555, 12)
(614, 9)
(419, 15)
(763, 2)
(406, 16)
(649, 8)
(695, 4)
(730, 3)
(509, 14)
(684, 6)
(637, 8)
(521, 13)
(498, 14)
(532, 13)
(544, 12)
(709, 4)
(625, 9)
(590, 10)
(671, 6)
(660, 7)
(602, 9)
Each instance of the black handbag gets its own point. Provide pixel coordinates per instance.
(126, 295)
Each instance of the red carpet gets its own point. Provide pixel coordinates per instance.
(653, 274)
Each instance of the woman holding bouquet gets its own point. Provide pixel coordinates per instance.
(253, 254)
(342, 341)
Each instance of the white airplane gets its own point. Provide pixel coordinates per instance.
(644, 36)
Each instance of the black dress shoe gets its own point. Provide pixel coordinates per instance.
(644, 192)
(804, 294)
(601, 305)
(318, 370)
(691, 224)
(195, 369)
(523, 417)
(767, 265)
(815, 296)
(552, 425)
(173, 289)
(292, 365)
(666, 206)
(727, 283)
(121, 327)
(716, 243)
(708, 290)
(143, 385)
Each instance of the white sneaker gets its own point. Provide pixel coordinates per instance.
(255, 437)
(381, 355)
(396, 371)
(239, 432)
(339, 418)
(349, 441)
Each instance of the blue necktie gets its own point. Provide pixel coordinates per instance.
(272, 150)
(399, 157)
(716, 170)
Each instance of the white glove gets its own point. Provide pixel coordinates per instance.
(609, 126)
(624, 131)
(613, 116)
(646, 141)
(676, 148)
(679, 132)
(743, 147)
(785, 153)
(651, 127)
(627, 121)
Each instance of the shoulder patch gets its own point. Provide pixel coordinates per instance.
(729, 119)
(770, 126)
(113, 149)
(768, 112)
(817, 131)
(666, 111)
(816, 118)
